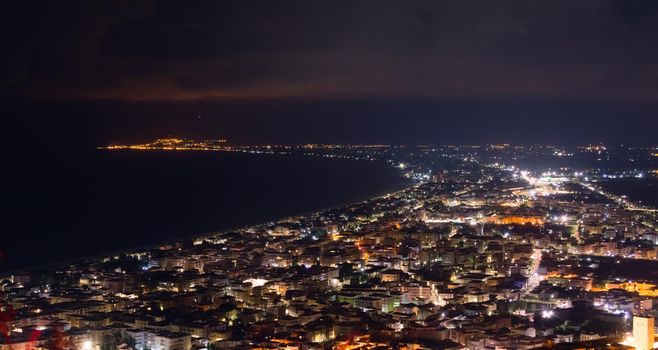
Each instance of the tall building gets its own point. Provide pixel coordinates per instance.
(643, 332)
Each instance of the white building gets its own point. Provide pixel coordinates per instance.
(160, 340)
(643, 332)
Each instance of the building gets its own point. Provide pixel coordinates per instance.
(643, 332)
(160, 340)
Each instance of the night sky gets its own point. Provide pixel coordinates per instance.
(88, 73)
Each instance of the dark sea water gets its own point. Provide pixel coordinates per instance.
(644, 190)
(111, 200)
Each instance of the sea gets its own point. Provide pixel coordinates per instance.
(639, 190)
(108, 201)
(642, 190)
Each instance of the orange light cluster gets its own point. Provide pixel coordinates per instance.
(516, 220)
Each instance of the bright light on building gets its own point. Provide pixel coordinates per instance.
(256, 282)
(643, 333)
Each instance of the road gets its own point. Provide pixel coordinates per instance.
(534, 278)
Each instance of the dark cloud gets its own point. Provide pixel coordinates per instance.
(165, 49)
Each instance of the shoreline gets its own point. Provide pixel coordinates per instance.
(404, 184)
(634, 192)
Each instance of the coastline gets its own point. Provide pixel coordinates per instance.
(643, 192)
(403, 184)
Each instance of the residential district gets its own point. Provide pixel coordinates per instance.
(475, 254)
